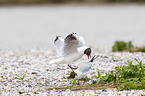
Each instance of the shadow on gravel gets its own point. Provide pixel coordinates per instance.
(84, 87)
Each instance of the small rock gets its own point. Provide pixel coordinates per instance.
(21, 92)
(34, 73)
(104, 90)
(36, 93)
(29, 85)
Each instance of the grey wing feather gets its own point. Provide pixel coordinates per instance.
(84, 68)
(81, 41)
(59, 44)
(70, 44)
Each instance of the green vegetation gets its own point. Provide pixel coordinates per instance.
(124, 77)
(140, 49)
(122, 46)
(20, 78)
(126, 46)
(63, 1)
(74, 82)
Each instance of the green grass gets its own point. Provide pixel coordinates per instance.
(20, 78)
(126, 77)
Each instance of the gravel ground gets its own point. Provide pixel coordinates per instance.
(39, 76)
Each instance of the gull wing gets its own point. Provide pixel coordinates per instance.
(59, 44)
(70, 44)
(81, 41)
(84, 68)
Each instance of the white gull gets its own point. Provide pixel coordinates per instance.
(70, 49)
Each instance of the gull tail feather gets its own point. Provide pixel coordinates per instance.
(59, 60)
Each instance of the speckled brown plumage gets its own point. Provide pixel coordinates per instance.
(72, 75)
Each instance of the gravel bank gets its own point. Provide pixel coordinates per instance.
(39, 76)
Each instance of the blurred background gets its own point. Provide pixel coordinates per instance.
(35, 23)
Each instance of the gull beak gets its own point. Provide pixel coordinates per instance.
(89, 56)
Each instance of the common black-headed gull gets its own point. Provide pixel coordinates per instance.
(82, 70)
(69, 49)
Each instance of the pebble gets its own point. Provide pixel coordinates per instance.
(29, 85)
(39, 75)
(104, 90)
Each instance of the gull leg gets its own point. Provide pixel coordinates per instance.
(71, 67)
(84, 81)
(78, 82)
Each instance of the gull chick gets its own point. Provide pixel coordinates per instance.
(70, 49)
(82, 70)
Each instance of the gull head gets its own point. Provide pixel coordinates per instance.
(88, 52)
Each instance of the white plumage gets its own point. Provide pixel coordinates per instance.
(68, 49)
(82, 70)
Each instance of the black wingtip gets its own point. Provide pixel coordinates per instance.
(74, 33)
(92, 59)
(71, 37)
(56, 38)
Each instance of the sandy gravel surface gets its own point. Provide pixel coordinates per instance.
(39, 75)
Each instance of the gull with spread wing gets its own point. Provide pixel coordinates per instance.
(70, 49)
